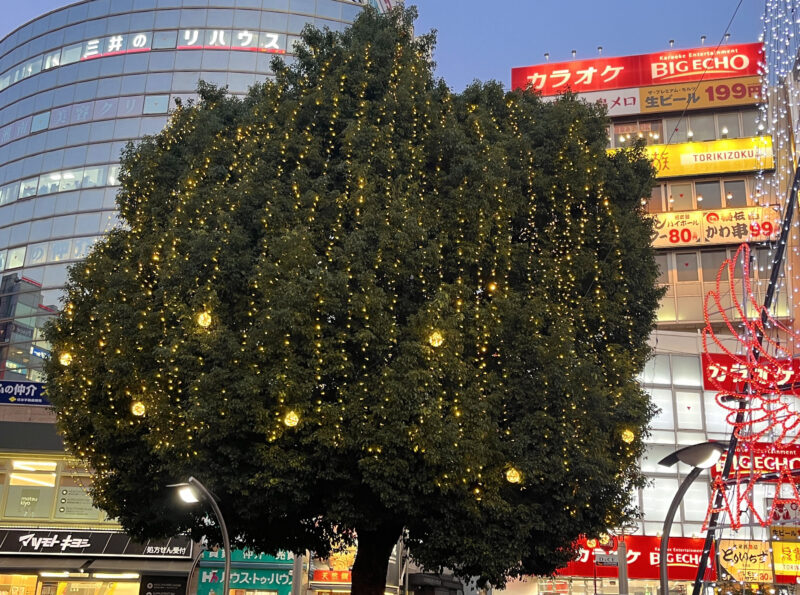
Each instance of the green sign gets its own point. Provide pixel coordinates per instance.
(283, 558)
(276, 581)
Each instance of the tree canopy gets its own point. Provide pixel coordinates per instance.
(356, 302)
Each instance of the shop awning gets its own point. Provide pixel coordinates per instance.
(43, 563)
(140, 565)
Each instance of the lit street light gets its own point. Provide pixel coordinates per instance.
(191, 492)
(700, 457)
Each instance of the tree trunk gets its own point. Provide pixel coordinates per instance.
(372, 559)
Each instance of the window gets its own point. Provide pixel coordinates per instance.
(28, 187)
(735, 193)
(71, 54)
(686, 266)
(689, 411)
(40, 121)
(156, 104)
(656, 203)
(712, 261)
(675, 130)
(680, 197)
(708, 195)
(165, 39)
(16, 257)
(729, 125)
(93, 177)
(702, 128)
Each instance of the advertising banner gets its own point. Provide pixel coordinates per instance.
(763, 457)
(711, 157)
(673, 66)
(720, 226)
(250, 579)
(710, 94)
(746, 560)
(22, 392)
(730, 373)
(683, 556)
(786, 556)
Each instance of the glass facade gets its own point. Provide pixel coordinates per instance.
(76, 85)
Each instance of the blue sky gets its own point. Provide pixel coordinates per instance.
(484, 39)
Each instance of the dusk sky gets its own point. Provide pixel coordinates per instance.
(482, 39)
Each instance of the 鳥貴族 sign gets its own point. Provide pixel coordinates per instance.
(673, 66)
(727, 155)
(720, 226)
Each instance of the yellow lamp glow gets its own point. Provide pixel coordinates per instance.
(138, 408)
(591, 543)
(65, 358)
(492, 286)
(604, 539)
(291, 419)
(436, 339)
(204, 319)
(513, 475)
(628, 436)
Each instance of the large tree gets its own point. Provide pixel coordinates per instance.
(355, 303)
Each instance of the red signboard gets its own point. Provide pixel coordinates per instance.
(332, 576)
(730, 373)
(683, 556)
(673, 66)
(761, 457)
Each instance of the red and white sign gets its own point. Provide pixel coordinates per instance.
(673, 66)
(728, 373)
(333, 576)
(683, 556)
(761, 457)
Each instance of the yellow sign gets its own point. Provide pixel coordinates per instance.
(720, 226)
(709, 94)
(785, 532)
(712, 157)
(747, 561)
(786, 555)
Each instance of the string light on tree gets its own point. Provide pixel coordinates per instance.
(138, 408)
(204, 319)
(291, 419)
(628, 436)
(65, 358)
(436, 339)
(513, 475)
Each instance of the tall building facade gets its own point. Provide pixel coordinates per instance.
(76, 85)
(697, 112)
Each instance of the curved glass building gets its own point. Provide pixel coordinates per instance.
(76, 85)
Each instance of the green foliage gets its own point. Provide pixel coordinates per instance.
(330, 223)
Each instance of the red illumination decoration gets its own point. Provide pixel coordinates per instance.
(757, 386)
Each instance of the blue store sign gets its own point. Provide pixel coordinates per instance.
(22, 392)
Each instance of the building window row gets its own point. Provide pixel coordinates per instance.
(53, 490)
(88, 111)
(58, 250)
(688, 128)
(705, 194)
(184, 39)
(60, 181)
(690, 274)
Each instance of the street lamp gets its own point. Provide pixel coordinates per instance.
(190, 492)
(700, 457)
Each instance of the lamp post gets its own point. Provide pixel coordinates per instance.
(700, 457)
(190, 492)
